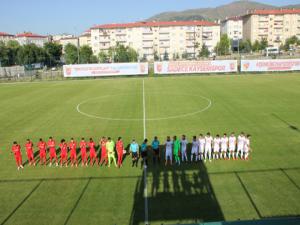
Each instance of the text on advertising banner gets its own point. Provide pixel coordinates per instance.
(181, 67)
(98, 70)
(270, 65)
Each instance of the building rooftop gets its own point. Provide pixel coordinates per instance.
(31, 35)
(6, 34)
(155, 24)
(234, 18)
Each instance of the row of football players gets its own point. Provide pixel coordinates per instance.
(107, 146)
(208, 148)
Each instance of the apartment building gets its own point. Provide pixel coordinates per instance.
(58, 37)
(233, 27)
(69, 40)
(5, 37)
(149, 38)
(85, 38)
(30, 38)
(274, 25)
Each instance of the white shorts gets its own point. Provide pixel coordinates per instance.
(246, 149)
(201, 149)
(194, 151)
(232, 148)
(207, 148)
(224, 148)
(168, 154)
(216, 149)
(240, 148)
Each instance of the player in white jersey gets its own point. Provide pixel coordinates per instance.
(240, 145)
(224, 146)
(247, 147)
(195, 149)
(232, 146)
(201, 146)
(184, 143)
(217, 142)
(169, 146)
(207, 147)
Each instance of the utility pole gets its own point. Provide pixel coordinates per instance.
(78, 54)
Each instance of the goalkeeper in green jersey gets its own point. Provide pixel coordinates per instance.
(176, 150)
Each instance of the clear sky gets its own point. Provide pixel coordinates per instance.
(75, 16)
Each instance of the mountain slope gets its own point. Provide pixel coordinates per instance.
(233, 9)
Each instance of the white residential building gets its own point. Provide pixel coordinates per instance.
(233, 27)
(148, 38)
(30, 38)
(273, 25)
(5, 37)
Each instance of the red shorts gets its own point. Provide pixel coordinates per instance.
(18, 157)
(30, 154)
(42, 154)
(92, 154)
(52, 154)
(73, 155)
(83, 155)
(63, 156)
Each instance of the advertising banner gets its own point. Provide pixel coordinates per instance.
(182, 67)
(98, 70)
(270, 65)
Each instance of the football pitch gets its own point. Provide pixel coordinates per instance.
(267, 186)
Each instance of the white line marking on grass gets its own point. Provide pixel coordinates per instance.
(146, 119)
(144, 109)
(145, 166)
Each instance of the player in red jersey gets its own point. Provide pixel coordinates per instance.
(73, 153)
(52, 150)
(83, 152)
(42, 148)
(120, 151)
(103, 157)
(93, 154)
(29, 151)
(16, 149)
(63, 153)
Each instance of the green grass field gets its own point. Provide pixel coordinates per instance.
(266, 106)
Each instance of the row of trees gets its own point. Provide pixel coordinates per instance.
(13, 53)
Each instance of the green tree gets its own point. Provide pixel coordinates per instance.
(120, 53)
(256, 46)
(71, 54)
(185, 55)
(166, 56)
(103, 57)
(156, 56)
(245, 46)
(263, 44)
(223, 46)
(29, 54)
(13, 48)
(86, 55)
(4, 54)
(53, 53)
(290, 42)
(204, 52)
(132, 55)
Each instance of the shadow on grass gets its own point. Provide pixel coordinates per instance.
(291, 126)
(176, 194)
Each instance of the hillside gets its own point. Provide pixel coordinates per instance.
(233, 9)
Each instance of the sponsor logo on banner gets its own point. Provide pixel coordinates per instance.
(98, 70)
(270, 65)
(182, 67)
